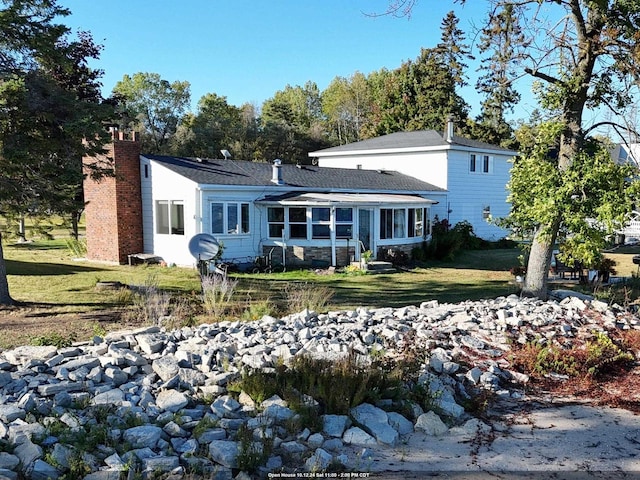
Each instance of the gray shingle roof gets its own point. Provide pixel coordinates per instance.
(417, 139)
(245, 173)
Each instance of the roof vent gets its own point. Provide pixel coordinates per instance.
(276, 172)
(201, 160)
(448, 133)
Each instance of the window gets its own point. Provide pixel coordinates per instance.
(344, 223)
(320, 222)
(479, 164)
(170, 217)
(275, 219)
(298, 222)
(386, 223)
(229, 218)
(403, 222)
(416, 222)
(399, 222)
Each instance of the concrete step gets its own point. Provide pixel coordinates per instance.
(376, 266)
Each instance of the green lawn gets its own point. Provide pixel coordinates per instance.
(45, 274)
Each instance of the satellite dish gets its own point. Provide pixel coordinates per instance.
(204, 246)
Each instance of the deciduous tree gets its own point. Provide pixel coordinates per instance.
(153, 106)
(584, 55)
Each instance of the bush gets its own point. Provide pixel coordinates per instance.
(336, 385)
(447, 241)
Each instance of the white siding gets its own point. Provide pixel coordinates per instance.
(467, 193)
(470, 192)
(167, 186)
(237, 247)
(429, 167)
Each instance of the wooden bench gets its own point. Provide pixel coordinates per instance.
(137, 258)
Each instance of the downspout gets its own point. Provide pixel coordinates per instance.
(332, 234)
(198, 213)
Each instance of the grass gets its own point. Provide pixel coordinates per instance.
(61, 298)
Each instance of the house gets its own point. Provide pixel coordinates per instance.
(474, 174)
(301, 215)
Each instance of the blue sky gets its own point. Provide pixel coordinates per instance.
(246, 50)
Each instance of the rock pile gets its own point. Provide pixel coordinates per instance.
(156, 402)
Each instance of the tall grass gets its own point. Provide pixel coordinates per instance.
(217, 292)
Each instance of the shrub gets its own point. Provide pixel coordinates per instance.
(594, 357)
(77, 248)
(335, 385)
(396, 257)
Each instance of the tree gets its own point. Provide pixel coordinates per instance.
(214, 127)
(346, 104)
(500, 36)
(583, 55)
(419, 95)
(152, 105)
(292, 124)
(44, 112)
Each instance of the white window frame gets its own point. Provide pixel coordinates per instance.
(242, 225)
(173, 221)
(310, 223)
(480, 164)
(421, 228)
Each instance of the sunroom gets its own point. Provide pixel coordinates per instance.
(321, 229)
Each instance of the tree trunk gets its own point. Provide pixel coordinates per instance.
(5, 298)
(536, 279)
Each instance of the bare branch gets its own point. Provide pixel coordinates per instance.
(543, 76)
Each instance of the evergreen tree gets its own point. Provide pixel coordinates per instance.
(50, 113)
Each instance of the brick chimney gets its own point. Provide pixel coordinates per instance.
(113, 209)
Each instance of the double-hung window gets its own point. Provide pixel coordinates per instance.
(275, 220)
(479, 163)
(321, 222)
(170, 217)
(344, 223)
(229, 218)
(297, 222)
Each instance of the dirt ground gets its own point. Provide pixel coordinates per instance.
(25, 324)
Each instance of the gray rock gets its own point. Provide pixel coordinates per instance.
(400, 423)
(375, 422)
(315, 440)
(319, 461)
(171, 400)
(144, 436)
(28, 452)
(357, 436)
(43, 471)
(8, 461)
(293, 447)
(6, 474)
(160, 464)
(431, 424)
(225, 452)
(166, 367)
(335, 425)
(9, 413)
(115, 396)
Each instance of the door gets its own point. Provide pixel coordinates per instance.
(365, 228)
